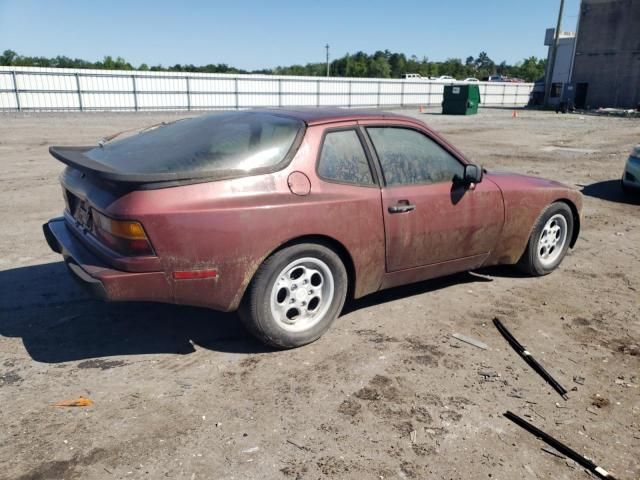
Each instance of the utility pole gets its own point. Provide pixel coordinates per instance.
(327, 47)
(552, 57)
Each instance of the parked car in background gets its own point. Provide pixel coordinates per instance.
(412, 76)
(281, 214)
(503, 78)
(445, 78)
(471, 80)
(631, 175)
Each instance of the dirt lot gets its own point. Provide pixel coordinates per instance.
(185, 393)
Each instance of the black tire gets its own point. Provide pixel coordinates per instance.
(256, 312)
(625, 188)
(530, 262)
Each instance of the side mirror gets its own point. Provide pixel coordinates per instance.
(472, 174)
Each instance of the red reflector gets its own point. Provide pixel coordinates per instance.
(195, 274)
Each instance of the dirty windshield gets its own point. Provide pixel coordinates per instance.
(221, 144)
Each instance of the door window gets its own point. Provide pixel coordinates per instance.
(343, 159)
(408, 157)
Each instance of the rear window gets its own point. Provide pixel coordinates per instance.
(224, 144)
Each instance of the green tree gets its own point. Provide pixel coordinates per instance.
(484, 66)
(8, 57)
(531, 69)
(453, 67)
(379, 66)
(398, 64)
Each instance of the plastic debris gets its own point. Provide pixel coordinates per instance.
(78, 402)
(560, 447)
(527, 357)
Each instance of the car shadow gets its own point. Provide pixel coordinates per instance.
(58, 322)
(413, 289)
(611, 191)
(504, 271)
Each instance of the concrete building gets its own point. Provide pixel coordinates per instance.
(562, 68)
(606, 65)
(564, 57)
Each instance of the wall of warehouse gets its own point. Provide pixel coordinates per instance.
(58, 89)
(608, 53)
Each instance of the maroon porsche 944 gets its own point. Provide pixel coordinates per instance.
(283, 214)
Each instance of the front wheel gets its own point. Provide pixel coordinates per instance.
(295, 295)
(549, 240)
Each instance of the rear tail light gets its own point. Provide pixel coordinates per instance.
(126, 237)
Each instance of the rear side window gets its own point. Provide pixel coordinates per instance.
(408, 157)
(342, 159)
(223, 144)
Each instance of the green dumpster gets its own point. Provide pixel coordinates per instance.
(461, 99)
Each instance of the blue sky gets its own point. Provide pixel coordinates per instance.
(254, 34)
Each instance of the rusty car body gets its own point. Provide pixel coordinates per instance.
(208, 235)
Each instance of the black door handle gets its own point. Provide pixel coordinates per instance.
(402, 206)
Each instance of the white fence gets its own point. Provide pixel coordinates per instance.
(61, 89)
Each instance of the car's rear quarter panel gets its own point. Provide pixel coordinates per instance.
(233, 225)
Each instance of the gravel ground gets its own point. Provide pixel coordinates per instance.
(387, 393)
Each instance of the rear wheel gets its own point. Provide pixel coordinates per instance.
(295, 295)
(549, 240)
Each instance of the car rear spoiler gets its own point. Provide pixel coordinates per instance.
(76, 157)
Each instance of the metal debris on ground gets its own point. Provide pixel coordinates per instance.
(553, 452)
(560, 447)
(526, 356)
(579, 380)
(470, 341)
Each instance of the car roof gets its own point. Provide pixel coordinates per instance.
(316, 116)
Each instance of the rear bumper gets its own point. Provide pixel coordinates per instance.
(100, 279)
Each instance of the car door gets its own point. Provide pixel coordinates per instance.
(429, 218)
